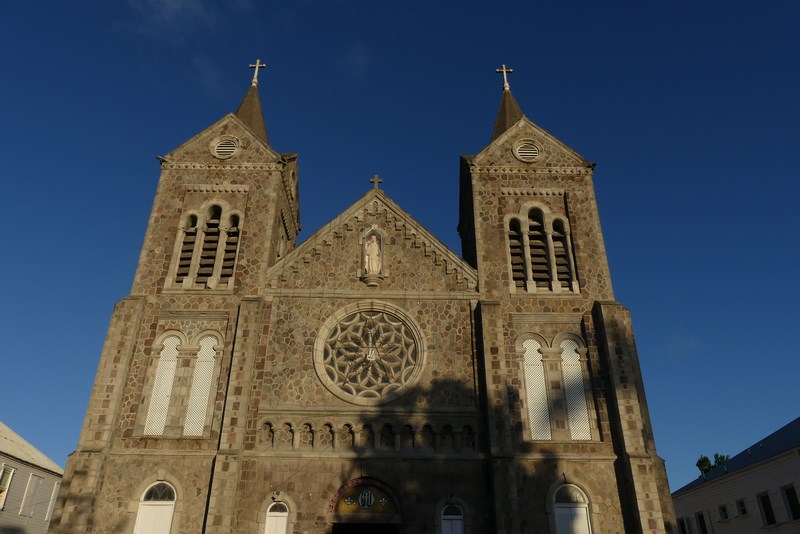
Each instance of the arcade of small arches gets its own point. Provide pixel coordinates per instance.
(366, 505)
(386, 437)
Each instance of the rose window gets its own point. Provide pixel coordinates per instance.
(368, 356)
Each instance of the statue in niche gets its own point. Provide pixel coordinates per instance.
(372, 255)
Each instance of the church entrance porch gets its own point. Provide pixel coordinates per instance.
(365, 528)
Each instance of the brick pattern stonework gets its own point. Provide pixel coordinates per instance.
(457, 433)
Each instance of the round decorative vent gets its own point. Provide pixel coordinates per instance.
(224, 147)
(368, 353)
(526, 150)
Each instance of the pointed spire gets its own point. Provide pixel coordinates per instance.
(249, 111)
(510, 111)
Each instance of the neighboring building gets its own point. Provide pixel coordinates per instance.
(368, 379)
(29, 483)
(757, 488)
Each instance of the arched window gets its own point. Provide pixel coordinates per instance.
(575, 390)
(200, 392)
(516, 250)
(206, 249)
(155, 510)
(231, 246)
(562, 251)
(541, 272)
(536, 391)
(452, 520)
(277, 518)
(187, 249)
(571, 509)
(162, 388)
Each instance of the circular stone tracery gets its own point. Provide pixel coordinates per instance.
(368, 354)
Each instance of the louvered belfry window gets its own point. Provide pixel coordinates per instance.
(207, 249)
(231, 246)
(208, 253)
(562, 255)
(187, 248)
(539, 251)
(517, 252)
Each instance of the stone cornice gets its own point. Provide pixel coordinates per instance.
(223, 166)
(217, 188)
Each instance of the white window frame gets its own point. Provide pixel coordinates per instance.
(4, 486)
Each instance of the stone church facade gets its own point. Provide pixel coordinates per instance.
(368, 379)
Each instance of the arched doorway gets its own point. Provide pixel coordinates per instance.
(364, 506)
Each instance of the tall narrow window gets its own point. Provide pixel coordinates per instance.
(562, 254)
(52, 504)
(5, 481)
(208, 252)
(767, 513)
(32, 501)
(231, 246)
(187, 249)
(452, 520)
(200, 391)
(571, 511)
(162, 387)
(791, 501)
(700, 518)
(155, 510)
(539, 250)
(536, 391)
(574, 389)
(277, 518)
(516, 251)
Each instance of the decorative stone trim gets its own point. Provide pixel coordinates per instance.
(194, 314)
(532, 171)
(223, 166)
(217, 188)
(520, 191)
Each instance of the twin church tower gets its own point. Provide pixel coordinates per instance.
(368, 379)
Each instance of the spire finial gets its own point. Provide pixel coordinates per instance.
(506, 72)
(375, 181)
(258, 65)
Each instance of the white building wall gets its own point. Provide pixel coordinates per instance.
(768, 476)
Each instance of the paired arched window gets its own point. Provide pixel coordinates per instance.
(162, 410)
(206, 249)
(277, 518)
(571, 510)
(540, 252)
(556, 394)
(452, 519)
(156, 509)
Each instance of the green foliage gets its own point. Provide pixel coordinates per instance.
(704, 462)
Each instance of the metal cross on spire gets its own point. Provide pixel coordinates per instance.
(375, 181)
(257, 65)
(506, 72)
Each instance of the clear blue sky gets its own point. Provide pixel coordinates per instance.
(689, 108)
